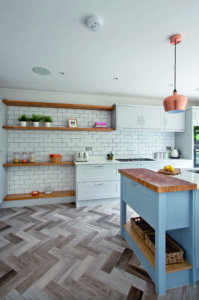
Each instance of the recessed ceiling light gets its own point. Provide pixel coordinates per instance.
(116, 78)
(41, 70)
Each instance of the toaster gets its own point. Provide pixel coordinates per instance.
(81, 156)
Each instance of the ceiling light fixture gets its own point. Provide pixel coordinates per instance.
(94, 23)
(175, 103)
(41, 71)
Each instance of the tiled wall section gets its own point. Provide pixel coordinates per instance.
(122, 143)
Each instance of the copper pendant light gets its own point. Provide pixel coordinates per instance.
(175, 103)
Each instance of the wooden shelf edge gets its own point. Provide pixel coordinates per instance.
(57, 128)
(63, 163)
(149, 255)
(26, 196)
(57, 105)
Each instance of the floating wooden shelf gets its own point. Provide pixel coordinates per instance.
(57, 105)
(150, 255)
(62, 163)
(56, 128)
(12, 197)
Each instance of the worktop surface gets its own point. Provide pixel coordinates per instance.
(157, 182)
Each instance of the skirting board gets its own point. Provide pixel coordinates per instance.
(41, 201)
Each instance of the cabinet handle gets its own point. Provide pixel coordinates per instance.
(99, 166)
(99, 184)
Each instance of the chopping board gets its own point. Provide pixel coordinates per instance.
(175, 172)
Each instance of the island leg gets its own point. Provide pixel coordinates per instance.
(122, 208)
(160, 267)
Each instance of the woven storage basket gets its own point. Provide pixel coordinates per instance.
(141, 226)
(55, 160)
(174, 254)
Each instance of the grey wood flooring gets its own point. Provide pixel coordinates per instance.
(60, 252)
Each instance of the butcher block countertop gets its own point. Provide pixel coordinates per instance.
(157, 182)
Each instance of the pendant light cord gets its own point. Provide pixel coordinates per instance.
(175, 69)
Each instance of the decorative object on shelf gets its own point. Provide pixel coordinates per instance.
(55, 158)
(81, 156)
(24, 157)
(31, 157)
(141, 226)
(47, 120)
(100, 125)
(36, 119)
(110, 156)
(174, 253)
(175, 103)
(16, 158)
(72, 123)
(35, 193)
(23, 119)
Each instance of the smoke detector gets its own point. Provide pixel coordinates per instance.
(94, 23)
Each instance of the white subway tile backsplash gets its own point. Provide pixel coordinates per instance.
(121, 143)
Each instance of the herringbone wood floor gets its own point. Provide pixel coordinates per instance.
(60, 252)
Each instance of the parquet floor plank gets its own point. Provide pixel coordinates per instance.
(55, 252)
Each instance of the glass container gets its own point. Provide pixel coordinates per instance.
(24, 157)
(16, 157)
(31, 157)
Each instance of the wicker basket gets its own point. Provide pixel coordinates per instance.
(55, 160)
(141, 226)
(174, 254)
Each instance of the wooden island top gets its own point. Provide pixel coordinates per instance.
(157, 182)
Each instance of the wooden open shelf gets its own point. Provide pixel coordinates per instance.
(57, 105)
(56, 128)
(12, 197)
(62, 163)
(150, 255)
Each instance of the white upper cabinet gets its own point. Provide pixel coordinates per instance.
(173, 122)
(147, 117)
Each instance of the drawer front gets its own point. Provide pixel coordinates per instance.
(97, 173)
(98, 190)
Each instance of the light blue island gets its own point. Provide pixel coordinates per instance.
(170, 205)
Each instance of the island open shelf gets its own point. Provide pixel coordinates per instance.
(26, 196)
(149, 254)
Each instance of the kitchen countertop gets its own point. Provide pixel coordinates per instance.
(95, 160)
(160, 183)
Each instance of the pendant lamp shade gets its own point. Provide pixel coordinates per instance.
(175, 103)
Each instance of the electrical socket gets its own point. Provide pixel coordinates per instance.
(88, 148)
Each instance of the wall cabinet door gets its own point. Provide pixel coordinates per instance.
(128, 117)
(173, 122)
(152, 117)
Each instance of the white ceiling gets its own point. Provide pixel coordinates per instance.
(133, 44)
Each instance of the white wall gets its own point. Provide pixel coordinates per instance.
(122, 143)
(3, 152)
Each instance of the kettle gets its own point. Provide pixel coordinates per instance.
(175, 153)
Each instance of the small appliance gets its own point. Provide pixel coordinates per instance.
(175, 153)
(81, 156)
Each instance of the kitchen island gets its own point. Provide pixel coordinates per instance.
(170, 205)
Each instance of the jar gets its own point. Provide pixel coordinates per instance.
(16, 157)
(31, 157)
(24, 157)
